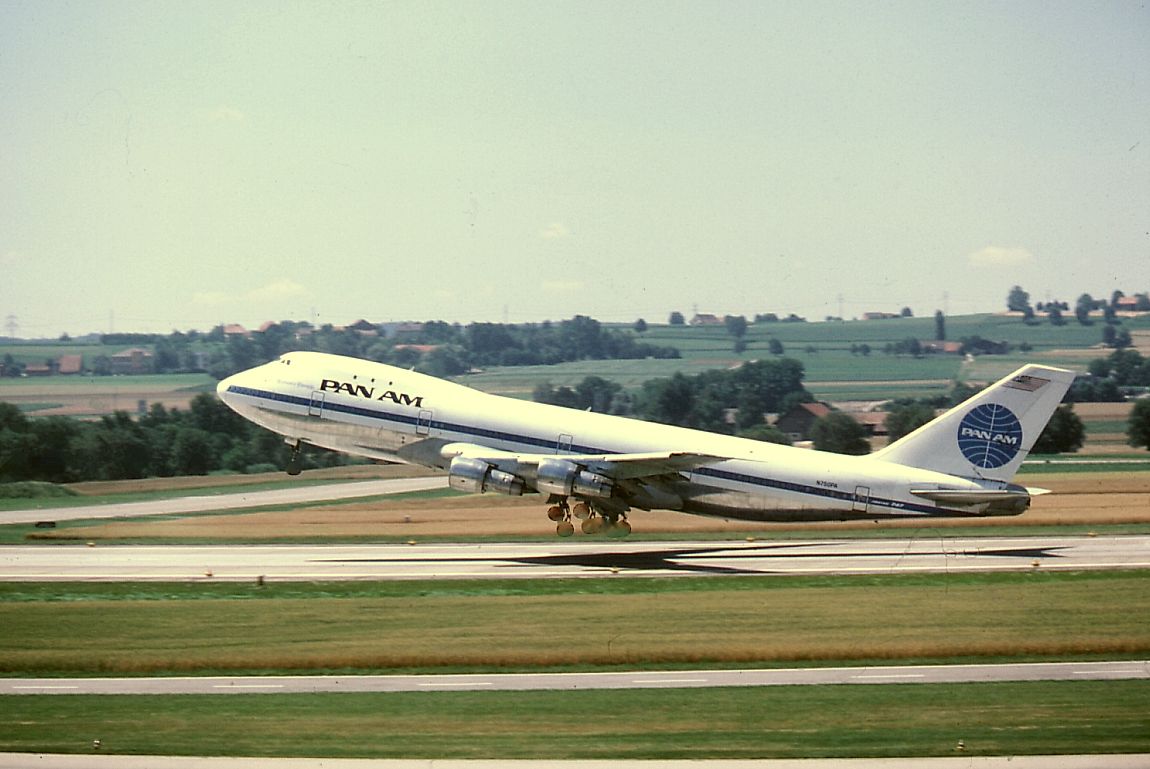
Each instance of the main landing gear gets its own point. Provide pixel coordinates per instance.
(592, 521)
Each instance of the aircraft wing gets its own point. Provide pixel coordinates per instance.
(619, 467)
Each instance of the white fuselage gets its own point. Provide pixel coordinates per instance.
(379, 411)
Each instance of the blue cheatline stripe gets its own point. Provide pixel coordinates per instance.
(530, 440)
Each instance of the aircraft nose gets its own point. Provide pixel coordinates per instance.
(223, 389)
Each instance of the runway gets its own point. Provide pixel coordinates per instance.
(634, 679)
(570, 558)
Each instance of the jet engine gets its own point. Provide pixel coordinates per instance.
(475, 476)
(558, 476)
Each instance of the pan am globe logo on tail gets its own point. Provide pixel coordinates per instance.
(990, 435)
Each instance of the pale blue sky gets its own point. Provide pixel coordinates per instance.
(182, 164)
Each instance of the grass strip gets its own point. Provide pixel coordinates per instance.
(525, 624)
(764, 722)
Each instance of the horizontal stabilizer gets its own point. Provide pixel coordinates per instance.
(964, 497)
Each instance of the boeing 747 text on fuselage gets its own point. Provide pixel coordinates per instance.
(597, 467)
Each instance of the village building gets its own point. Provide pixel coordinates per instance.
(70, 364)
(134, 360)
(797, 423)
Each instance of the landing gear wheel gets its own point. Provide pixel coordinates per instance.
(619, 529)
(564, 529)
(592, 525)
(582, 510)
(556, 513)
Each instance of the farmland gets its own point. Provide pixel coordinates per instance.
(838, 366)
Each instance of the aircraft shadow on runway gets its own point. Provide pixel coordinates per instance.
(686, 559)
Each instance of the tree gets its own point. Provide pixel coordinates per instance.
(1082, 309)
(1138, 428)
(1125, 365)
(597, 394)
(736, 325)
(904, 418)
(906, 312)
(840, 433)
(640, 326)
(1063, 433)
(765, 433)
(908, 346)
(669, 400)
(939, 326)
(775, 347)
(1018, 300)
(1054, 313)
(192, 452)
(676, 319)
(1108, 335)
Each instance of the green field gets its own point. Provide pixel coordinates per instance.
(748, 723)
(110, 384)
(832, 372)
(458, 626)
(51, 628)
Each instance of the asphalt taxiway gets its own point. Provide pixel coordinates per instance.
(569, 558)
(92, 761)
(290, 495)
(631, 679)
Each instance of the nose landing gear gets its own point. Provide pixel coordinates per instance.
(293, 465)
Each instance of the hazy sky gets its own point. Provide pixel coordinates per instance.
(180, 164)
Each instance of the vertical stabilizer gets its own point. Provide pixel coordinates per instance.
(990, 434)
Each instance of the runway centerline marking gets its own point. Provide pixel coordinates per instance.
(669, 680)
(1128, 671)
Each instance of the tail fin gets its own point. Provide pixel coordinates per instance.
(988, 435)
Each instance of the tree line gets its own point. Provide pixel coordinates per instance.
(1018, 300)
(209, 437)
(732, 402)
(434, 347)
(205, 438)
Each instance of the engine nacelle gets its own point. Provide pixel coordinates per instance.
(558, 476)
(476, 476)
(588, 484)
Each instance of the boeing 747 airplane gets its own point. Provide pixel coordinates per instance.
(596, 467)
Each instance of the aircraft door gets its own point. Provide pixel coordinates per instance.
(861, 499)
(423, 424)
(563, 445)
(315, 405)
